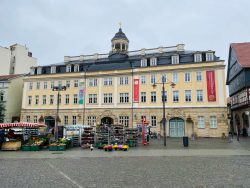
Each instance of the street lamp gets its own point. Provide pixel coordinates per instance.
(172, 84)
(58, 89)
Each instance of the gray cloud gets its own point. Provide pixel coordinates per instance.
(52, 29)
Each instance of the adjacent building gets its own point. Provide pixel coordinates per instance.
(238, 80)
(117, 88)
(11, 90)
(16, 60)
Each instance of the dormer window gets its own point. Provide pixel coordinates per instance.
(209, 56)
(153, 61)
(175, 59)
(197, 57)
(32, 70)
(39, 70)
(144, 62)
(53, 69)
(68, 68)
(76, 68)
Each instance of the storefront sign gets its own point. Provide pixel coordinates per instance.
(211, 90)
(81, 93)
(136, 90)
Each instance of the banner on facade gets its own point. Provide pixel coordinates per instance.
(211, 90)
(136, 90)
(81, 93)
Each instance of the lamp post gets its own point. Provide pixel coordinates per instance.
(163, 82)
(58, 89)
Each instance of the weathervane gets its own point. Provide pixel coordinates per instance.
(120, 24)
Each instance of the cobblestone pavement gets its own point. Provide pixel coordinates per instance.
(197, 172)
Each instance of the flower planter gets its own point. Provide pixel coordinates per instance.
(52, 148)
(61, 148)
(34, 148)
(25, 148)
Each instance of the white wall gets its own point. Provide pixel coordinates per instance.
(5, 55)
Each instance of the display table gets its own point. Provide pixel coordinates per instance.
(11, 146)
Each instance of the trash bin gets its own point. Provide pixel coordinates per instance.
(185, 141)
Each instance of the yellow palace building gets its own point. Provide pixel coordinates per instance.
(117, 88)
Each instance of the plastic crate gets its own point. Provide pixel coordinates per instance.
(34, 148)
(61, 148)
(52, 148)
(25, 148)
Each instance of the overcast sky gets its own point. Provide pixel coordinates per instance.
(52, 29)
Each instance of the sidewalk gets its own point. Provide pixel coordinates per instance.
(200, 147)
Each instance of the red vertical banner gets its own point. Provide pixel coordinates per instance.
(136, 90)
(211, 90)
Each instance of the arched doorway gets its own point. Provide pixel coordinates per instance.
(107, 120)
(50, 122)
(176, 127)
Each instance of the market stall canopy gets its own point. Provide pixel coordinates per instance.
(21, 124)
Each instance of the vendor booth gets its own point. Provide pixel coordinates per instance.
(14, 134)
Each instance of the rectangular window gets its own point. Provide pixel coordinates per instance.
(53, 70)
(38, 85)
(74, 120)
(107, 98)
(124, 120)
(164, 97)
(124, 80)
(188, 95)
(76, 68)
(153, 61)
(75, 98)
(143, 62)
(66, 120)
(51, 84)
(164, 78)
(175, 77)
(51, 99)
(198, 76)
(143, 118)
(60, 84)
(36, 99)
(68, 68)
(213, 122)
(60, 99)
(67, 99)
(153, 121)
(197, 58)
(153, 96)
(143, 79)
(29, 100)
(45, 85)
(199, 95)
(209, 56)
(175, 96)
(201, 122)
(124, 97)
(28, 118)
(44, 99)
(35, 119)
(143, 97)
(92, 98)
(93, 82)
(153, 78)
(187, 77)
(68, 83)
(30, 86)
(107, 81)
(91, 120)
(75, 83)
(175, 59)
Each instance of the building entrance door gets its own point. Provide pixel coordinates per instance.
(176, 127)
(107, 120)
(50, 122)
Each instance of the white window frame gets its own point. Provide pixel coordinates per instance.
(198, 76)
(143, 79)
(124, 120)
(164, 78)
(213, 122)
(91, 120)
(30, 85)
(201, 122)
(75, 99)
(153, 121)
(92, 82)
(76, 68)
(175, 77)
(187, 77)
(37, 100)
(165, 96)
(66, 120)
(143, 97)
(124, 80)
(76, 83)
(124, 97)
(199, 95)
(92, 98)
(152, 78)
(44, 99)
(198, 57)
(107, 98)
(144, 62)
(37, 85)
(53, 69)
(35, 119)
(176, 97)
(29, 100)
(68, 68)
(188, 96)
(51, 99)
(175, 59)
(107, 81)
(67, 99)
(153, 97)
(209, 56)
(68, 83)
(74, 120)
(153, 61)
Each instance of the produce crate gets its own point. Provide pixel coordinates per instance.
(25, 148)
(61, 148)
(34, 148)
(52, 148)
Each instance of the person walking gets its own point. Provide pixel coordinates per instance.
(238, 132)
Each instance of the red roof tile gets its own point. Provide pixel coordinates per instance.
(242, 52)
(7, 77)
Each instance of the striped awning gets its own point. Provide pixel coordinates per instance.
(21, 124)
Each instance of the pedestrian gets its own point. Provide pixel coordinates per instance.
(238, 132)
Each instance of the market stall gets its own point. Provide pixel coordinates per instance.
(14, 134)
(74, 132)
